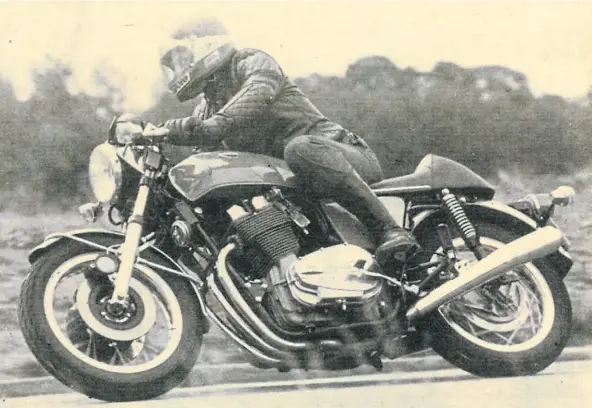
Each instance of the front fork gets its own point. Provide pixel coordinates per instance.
(130, 247)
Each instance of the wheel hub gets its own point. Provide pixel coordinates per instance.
(116, 311)
(116, 321)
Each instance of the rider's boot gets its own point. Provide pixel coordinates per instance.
(392, 241)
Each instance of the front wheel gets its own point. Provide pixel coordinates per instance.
(137, 354)
(517, 324)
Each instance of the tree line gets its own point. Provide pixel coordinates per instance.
(486, 118)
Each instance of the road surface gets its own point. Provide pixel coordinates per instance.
(563, 385)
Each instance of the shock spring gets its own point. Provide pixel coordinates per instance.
(459, 217)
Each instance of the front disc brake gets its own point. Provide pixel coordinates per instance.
(135, 322)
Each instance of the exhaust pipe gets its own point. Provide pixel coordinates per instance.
(246, 331)
(537, 244)
(245, 311)
(267, 342)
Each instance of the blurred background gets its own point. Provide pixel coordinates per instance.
(504, 88)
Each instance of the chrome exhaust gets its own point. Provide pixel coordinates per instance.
(257, 357)
(244, 328)
(537, 244)
(273, 340)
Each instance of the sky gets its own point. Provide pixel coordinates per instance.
(551, 42)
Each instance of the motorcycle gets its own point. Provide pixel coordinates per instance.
(230, 238)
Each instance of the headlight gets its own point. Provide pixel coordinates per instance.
(105, 173)
(125, 132)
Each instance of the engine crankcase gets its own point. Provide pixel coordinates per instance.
(334, 274)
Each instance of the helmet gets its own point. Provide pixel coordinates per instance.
(193, 54)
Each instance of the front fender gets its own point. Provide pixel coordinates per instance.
(165, 262)
(497, 213)
(53, 239)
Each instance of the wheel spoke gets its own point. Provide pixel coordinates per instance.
(113, 359)
(534, 307)
(143, 355)
(478, 308)
(473, 328)
(148, 347)
(533, 325)
(524, 285)
(498, 334)
(121, 357)
(511, 338)
(481, 333)
(91, 349)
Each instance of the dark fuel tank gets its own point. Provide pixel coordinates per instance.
(226, 173)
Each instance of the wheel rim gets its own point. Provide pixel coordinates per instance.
(510, 314)
(68, 321)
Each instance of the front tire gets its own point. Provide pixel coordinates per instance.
(515, 325)
(156, 347)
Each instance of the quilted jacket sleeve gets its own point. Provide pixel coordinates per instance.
(260, 79)
(201, 110)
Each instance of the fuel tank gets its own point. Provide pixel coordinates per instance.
(218, 174)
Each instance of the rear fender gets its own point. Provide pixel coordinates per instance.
(159, 260)
(496, 213)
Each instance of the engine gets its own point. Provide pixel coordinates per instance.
(326, 288)
(266, 235)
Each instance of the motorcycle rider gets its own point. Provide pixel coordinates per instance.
(250, 105)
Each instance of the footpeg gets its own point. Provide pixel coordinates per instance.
(375, 361)
(398, 245)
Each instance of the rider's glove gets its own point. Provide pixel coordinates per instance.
(181, 131)
(191, 131)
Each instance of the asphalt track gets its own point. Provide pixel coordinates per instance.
(564, 384)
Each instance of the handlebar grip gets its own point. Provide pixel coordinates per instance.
(153, 135)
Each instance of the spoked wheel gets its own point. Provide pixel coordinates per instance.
(514, 325)
(136, 339)
(116, 354)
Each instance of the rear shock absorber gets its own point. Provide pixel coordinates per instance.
(465, 227)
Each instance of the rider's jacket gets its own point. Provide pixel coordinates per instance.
(250, 105)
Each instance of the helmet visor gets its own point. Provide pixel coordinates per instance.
(176, 61)
(185, 54)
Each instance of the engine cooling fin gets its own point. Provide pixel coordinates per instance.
(267, 237)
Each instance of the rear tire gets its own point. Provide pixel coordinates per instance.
(496, 341)
(100, 374)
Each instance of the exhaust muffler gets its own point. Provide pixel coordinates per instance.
(537, 244)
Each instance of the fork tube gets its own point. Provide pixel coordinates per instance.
(130, 246)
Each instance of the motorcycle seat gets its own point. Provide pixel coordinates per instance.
(435, 173)
(420, 180)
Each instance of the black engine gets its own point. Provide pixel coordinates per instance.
(266, 236)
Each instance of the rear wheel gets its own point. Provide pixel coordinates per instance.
(517, 324)
(136, 354)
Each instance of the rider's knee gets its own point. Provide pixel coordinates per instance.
(296, 149)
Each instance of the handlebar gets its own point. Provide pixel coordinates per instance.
(154, 134)
(128, 129)
(149, 135)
